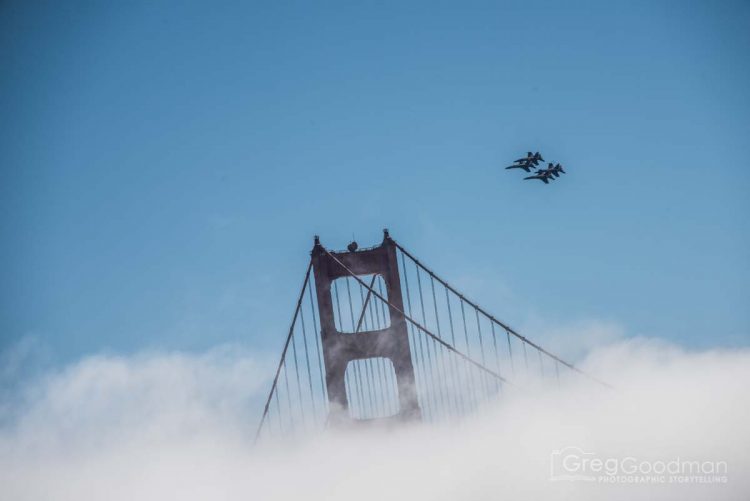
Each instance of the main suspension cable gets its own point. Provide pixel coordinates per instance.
(492, 318)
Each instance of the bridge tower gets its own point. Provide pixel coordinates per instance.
(340, 348)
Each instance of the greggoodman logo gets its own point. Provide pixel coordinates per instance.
(575, 464)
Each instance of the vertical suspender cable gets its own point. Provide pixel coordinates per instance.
(497, 353)
(288, 398)
(468, 351)
(525, 358)
(541, 364)
(299, 386)
(481, 349)
(459, 394)
(510, 354)
(307, 362)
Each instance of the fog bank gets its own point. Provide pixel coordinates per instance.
(170, 425)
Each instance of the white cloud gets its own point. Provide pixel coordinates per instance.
(179, 426)
(573, 340)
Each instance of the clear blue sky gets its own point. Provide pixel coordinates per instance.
(163, 168)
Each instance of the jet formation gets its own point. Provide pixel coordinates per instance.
(531, 161)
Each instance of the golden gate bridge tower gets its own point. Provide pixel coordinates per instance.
(378, 338)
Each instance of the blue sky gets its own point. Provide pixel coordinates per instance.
(164, 166)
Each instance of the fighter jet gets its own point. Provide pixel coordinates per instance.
(530, 161)
(543, 175)
(524, 165)
(536, 159)
(556, 170)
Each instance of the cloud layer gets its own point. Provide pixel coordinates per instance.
(168, 426)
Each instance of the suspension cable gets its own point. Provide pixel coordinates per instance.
(283, 351)
(491, 317)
